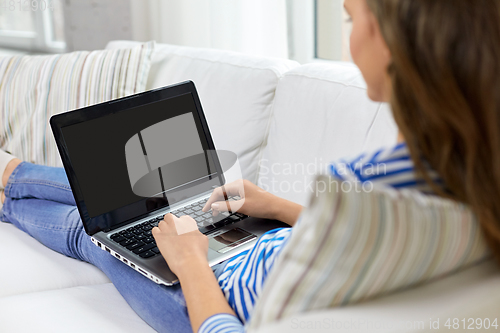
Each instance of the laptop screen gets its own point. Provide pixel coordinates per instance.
(126, 162)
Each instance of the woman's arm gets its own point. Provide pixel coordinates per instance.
(203, 295)
(286, 211)
(185, 250)
(254, 202)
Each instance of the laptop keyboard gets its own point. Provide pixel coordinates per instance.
(140, 240)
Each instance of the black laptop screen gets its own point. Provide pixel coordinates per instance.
(126, 161)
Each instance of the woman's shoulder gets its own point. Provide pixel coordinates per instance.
(375, 162)
(391, 166)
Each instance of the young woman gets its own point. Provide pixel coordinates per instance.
(436, 62)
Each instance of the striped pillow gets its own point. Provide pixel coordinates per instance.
(33, 88)
(352, 246)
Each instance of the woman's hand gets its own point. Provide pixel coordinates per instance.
(185, 250)
(180, 242)
(254, 202)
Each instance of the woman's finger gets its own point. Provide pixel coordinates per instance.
(162, 225)
(167, 224)
(226, 206)
(169, 217)
(233, 188)
(217, 194)
(155, 231)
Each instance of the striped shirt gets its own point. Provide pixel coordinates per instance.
(242, 278)
(389, 167)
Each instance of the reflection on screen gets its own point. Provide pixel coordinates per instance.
(164, 156)
(124, 158)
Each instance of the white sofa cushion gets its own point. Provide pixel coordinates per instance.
(84, 309)
(321, 113)
(236, 91)
(28, 266)
(473, 293)
(351, 245)
(33, 88)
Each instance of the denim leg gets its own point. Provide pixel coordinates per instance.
(40, 182)
(58, 226)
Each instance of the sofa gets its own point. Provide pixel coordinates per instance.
(277, 115)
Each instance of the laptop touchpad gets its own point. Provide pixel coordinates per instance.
(229, 240)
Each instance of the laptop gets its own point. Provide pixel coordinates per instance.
(132, 160)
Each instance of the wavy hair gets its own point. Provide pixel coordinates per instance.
(445, 74)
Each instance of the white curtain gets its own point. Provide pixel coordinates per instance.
(256, 27)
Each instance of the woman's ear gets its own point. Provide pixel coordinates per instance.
(385, 59)
(379, 38)
(386, 52)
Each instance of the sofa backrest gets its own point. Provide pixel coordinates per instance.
(236, 91)
(284, 121)
(321, 113)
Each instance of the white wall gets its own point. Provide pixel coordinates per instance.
(251, 26)
(91, 24)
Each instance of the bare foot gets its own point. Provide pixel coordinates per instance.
(8, 171)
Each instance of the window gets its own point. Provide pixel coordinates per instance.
(32, 25)
(332, 30)
(318, 30)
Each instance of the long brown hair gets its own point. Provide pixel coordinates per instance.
(445, 74)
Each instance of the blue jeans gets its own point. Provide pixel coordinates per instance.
(39, 201)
